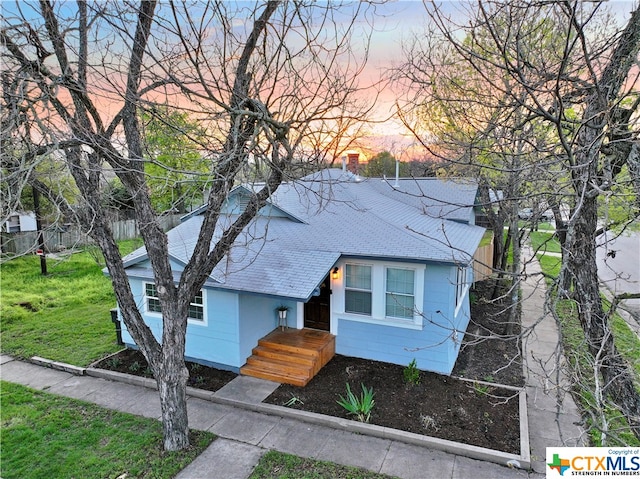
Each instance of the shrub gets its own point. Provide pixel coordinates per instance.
(412, 373)
(114, 362)
(135, 367)
(360, 407)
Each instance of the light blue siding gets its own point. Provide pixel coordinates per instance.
(215, 343)
(154, 323)
(394, 345)
(218, 341)
(236, 203)
(435, 346)
(235, 323)
(463, 316)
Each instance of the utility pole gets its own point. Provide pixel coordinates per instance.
(41, 249)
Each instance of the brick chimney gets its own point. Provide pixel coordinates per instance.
(353, 162)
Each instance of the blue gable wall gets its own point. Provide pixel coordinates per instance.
(435, 346)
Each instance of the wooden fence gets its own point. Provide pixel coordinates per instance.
(483, 261)
(58, 238)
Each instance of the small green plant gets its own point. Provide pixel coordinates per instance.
(473, 298)
(135, 366)
(195, 367)
(114, 363)
(295, 400)
(360, 407)
(481, 389)
(412, 373)
(197, 381)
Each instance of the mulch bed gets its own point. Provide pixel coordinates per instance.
(132, 361)
(438, 406)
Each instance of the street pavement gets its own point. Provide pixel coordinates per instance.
(618, 260)
(245, 432)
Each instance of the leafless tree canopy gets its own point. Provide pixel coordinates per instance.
(267, 83)
(539, 100)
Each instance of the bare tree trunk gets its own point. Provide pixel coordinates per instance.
(588, 184)
(618, 381)
(172, 378)
(515, 276)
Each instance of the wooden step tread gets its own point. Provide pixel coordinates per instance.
(312, 338)
(283, 366)
(277, 376)
(266, 343)
(292, 357)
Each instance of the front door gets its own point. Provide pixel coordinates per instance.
(317, 311)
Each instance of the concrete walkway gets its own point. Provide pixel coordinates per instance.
(554, 419)
(246, 432)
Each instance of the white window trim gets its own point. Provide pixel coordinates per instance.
(378, 294)
(462, 272)
(386, 292)
(357, 289)
(198, 322)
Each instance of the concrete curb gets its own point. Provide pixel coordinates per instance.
(522, 460)
(69, 368)
(122, 377)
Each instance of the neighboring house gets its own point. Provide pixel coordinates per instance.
(384, 267)
(21, 221)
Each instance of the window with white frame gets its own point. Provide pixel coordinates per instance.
(151, 297)
(461, 284)
(196, 307)
(400, 293)
(383, 292)
(357, 294)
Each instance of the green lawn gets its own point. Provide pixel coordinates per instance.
(278, 465)
(63, 316)
(486, 238)
(46, 436)
(545, 242)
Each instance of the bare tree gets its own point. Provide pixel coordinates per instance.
(263, 80)
(568, 74)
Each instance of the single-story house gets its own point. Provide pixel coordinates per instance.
(380, 267)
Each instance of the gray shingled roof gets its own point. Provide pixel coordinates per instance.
(419, 220)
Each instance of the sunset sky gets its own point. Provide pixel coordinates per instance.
(392, 24)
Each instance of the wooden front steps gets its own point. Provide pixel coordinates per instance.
(292, 356)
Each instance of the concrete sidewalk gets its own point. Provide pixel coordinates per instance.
(246, 432)
(554, 419)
